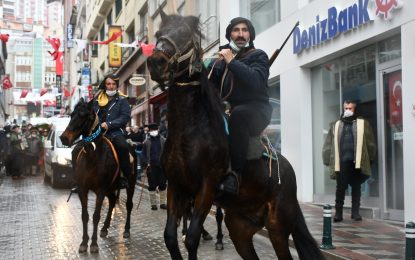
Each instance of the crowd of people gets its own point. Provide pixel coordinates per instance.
(21, 149)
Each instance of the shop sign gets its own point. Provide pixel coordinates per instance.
(337, 22)
(137, 80)
(69, 31)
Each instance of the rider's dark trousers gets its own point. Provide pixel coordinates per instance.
(246, 120)
(156, 178)
(121, 146)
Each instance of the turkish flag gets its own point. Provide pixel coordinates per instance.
(113, 37)
(24, 93)
(147, 49)
(395, 98)
(56, 43)
(43, 91)
(6, 82)
(59, 64)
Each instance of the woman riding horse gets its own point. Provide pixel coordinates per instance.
(196, 157)
(96, 167)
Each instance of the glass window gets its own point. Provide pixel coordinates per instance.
(210, 21)
(101, 33)
(351, 77)
(262, 13)
(143, 22)
(118, 7)
(390, 49)
(109, 18)
(273, 130)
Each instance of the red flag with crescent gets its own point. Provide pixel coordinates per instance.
(395, 98)
(59, 64)
(4, 37)
(147, 49)
(56, 43)
(43, 91)
(6, 82)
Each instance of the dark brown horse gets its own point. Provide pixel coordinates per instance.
(95, 169)
(196, 157)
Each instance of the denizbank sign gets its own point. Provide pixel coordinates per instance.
(337, 22)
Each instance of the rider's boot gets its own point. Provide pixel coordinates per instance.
(230, 183)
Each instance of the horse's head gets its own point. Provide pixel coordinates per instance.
(82, 120)
(178, 50)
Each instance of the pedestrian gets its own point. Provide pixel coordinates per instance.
(34, 152)
(16, 154)
(152, 150)
(349, 150)
(241, 74)
(114, 113)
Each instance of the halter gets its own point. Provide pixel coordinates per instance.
(173, 60)
(93, 134)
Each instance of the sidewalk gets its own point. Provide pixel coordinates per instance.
(367, 239)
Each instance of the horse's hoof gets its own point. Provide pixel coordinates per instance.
(126, 235)
(207, 237)
(83, 248)
(103, 233)
(219, 246)
(183, 238)
(94, 249)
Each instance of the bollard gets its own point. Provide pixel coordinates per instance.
(410, 241)
(327, 241)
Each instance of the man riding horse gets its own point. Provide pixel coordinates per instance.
(241, 73)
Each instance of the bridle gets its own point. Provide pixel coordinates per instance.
(190, 51)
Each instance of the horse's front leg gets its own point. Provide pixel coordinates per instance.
(97, 215)
(111, 198)
(170, 231)
(203, 203)
(219, 236)
(83, 197)
(129, 202)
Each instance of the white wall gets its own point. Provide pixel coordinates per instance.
(296, 134)
(408, 114)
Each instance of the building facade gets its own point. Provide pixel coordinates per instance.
(344, 49)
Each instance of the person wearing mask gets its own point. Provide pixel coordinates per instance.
(152, 150)
(241, 75)
(16, 153)
(34, 151)
(348, 151)
(114, 113)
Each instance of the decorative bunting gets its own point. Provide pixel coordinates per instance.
(113, 37)
(24, 93)
(147, 49)
(4, 37)
(43, 91)
(56, 43)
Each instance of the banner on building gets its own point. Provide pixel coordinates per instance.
(59, 64)
(69, 36)
(114, 51)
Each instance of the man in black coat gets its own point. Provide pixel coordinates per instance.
(241, 74)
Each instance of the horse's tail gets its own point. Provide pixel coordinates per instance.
(304, 242)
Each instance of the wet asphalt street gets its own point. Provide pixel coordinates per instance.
(36, 222)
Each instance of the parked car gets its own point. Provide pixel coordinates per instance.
(58, 158)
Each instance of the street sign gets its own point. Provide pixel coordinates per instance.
(137, 80)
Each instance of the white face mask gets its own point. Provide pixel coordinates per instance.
(154, 133)
(235, 47)
(111, 92)
(347, 113)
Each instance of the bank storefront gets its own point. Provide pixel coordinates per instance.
(361, 50)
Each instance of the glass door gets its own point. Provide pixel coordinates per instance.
(391, 79)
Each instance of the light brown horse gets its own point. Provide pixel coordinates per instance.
(196, 158)
(95, 169)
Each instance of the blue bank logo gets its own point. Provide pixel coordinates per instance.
(337, 22)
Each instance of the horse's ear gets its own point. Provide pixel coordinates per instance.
(163, 15)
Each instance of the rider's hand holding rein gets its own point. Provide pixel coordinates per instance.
(226, 55)
(104, 125)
